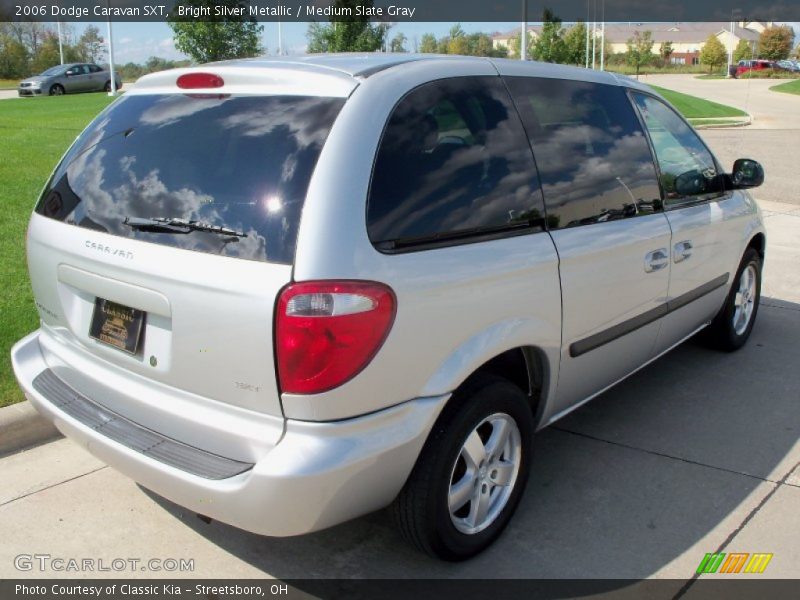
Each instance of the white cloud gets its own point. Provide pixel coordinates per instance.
(133, 50)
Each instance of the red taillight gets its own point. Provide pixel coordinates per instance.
(199, 81)
(326, 332)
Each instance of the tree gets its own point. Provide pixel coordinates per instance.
(797, 52)
(515, 43)
(743, 51)
(13, 56)
(350, 34)
(775, 43)
(219, 38)
(575, 44)
(398, 43)
(666, 52)
(640, 50)
(457, 41)
(92, 44)
(549, 46)
(480, 44)
(428, 44)
(48, 55)
(713, 53)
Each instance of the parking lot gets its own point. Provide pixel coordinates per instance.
(696, 453)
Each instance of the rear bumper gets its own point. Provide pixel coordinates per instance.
(316, 476)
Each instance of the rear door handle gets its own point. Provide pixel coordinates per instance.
(682, 250)
(656, 260)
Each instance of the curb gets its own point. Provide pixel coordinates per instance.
(21, 426)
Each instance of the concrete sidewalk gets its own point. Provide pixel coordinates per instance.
(697, 453)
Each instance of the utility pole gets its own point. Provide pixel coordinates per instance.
(60, 45)
(730, 50)
(113, 91)
(588, 12)
(523, 43)
(603, 40)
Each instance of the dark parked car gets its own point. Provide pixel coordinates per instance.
(789, 65)
(69, 78)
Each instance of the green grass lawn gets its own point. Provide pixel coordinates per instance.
(34, 133)
(790, 87)
(693, 107)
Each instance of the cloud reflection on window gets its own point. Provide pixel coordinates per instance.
(243, 163)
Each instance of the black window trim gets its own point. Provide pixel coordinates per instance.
(688, 202)
(465, 236)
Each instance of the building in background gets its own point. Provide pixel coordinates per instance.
(687, 39)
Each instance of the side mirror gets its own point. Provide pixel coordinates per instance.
(691, 183)
(747, 173)
(69, 73)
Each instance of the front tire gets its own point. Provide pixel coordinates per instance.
(56, 90)
(471, 474)
(732, 326)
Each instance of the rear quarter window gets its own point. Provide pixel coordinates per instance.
(453, 165)
(237, 162)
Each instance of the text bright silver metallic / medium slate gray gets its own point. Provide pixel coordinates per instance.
(284, 293)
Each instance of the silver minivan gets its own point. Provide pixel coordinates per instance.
(284, 293)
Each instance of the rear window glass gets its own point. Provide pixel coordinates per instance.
(236, 167)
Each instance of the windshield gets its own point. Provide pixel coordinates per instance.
(237, 162)
(53, 71)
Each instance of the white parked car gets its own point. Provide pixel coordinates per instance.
(285, 293)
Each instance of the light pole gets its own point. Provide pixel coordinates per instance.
(603, 39)
(60, 45)
(523, 43)
(113, 91)
(588, 11)
(730, 49)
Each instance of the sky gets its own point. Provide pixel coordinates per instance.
(136, 42)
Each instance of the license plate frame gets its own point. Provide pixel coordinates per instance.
(117, 326)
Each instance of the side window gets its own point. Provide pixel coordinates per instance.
(84, 69)
(593, 158)
(688, 170)
(94, 69)
(453, 164)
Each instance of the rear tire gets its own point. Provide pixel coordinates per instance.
(471, 473)
(732, 326)
(107, 87)
(57, 90)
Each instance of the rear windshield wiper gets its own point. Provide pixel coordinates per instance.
(175, 225)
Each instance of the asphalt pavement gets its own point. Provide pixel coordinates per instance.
(696, 453)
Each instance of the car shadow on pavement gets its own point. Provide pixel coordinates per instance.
(644, 479)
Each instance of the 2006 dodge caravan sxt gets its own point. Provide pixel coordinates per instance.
(285, 293)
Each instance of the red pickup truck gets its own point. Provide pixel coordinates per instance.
(753, 65)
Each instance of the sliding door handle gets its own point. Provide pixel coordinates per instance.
(682, 250)
(656, 260)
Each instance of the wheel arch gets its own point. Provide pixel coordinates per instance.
(759, 243)
(533, 368)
